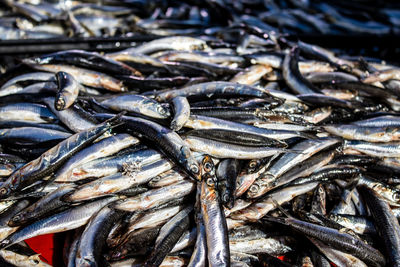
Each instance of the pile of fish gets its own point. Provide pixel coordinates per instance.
(34, 19)
(183, 152)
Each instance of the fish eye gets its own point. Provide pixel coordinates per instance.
(210, 181)
(396, 197)
(252, 164)
(194, 169)
(16, 218)
(60, 104)
(254, 188)
(3, 191)
(161, 110)
(156, 179)
(208, 167)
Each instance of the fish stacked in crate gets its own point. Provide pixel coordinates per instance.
(186, 152)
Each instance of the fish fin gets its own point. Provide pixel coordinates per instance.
(269, 218)
(307, 135)
(276, 204)
(116, 120)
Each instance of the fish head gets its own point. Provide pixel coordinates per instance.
(5, 191)
(190, 164)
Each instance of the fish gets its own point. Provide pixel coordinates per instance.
(214, 219)
(68, 90)
(234, 144)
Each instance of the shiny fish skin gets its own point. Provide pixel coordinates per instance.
(213, 89)
(93, 237)
(257, 210)
(387, 224)
(75, 118)
(169, 142)
(223, 150)
(44, 206)
(31, 135)
(236, 144)
(292, 76)
(156, 197)
(199, 255)
(59, 222)
(377, 150)
(341, 241)
(214, 223)
(110, 165)
(137, 104)
(68, 90)
(202, 122)
(85, 76)
(170, 43)
(338, 257)
(57, 155)
(308, 148)
(369, 134)
(168, 236)
(181, 108)
(26, 112)
(118, 182)
(102, 148)
(84, 59)
(19, 259)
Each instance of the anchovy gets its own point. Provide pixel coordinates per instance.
(269, 179)
(380, 121)
(292, 75)
(336, 256)
(259, 209)
(238, 138)
(213, 217)
(75, 118)
(20, 258)
(166, 178)
(199, 255)
(31, 135)
(387, 224)
(364, 133)
(111, 165)
(168, 141)
(52, 158)
(224, 150)
(137, 104)
(358, 224)
(214, 89)
(156, 197)
(198, 122)
(26, 112)
(45, 206)
(84, 59)
(15, 208)
(154, 218)
(336, 239)
(227, 173)
(85, 76)
(59, 222)
(94, 236)
(181, 110)
(68, 90)
(118, 182)
(170, 43)
(168, 236)
(374, 149)
(102, 148)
